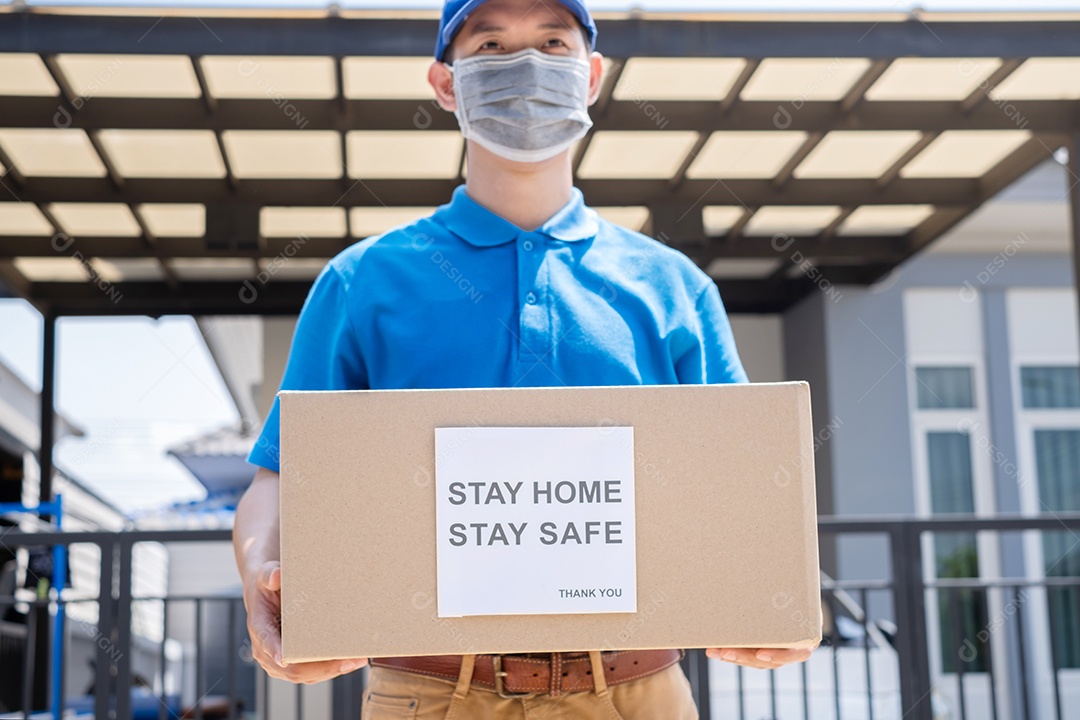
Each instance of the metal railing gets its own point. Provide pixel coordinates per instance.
(874, 664)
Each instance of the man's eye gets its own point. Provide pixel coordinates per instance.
(554, 42)
(490, 45)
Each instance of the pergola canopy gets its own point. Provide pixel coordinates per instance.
(167, 160)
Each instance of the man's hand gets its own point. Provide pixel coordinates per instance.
(262, 597)
(764, 659)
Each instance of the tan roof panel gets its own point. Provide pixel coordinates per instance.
(719, 219)
(924, 79)
(632, 217)
(295, 269)
(284, 153)
(122, 75)
(857, 153)
(965, 153)
(636, 154)
(885, 219)
(164, 153)
(797, 221)
(280, 79)
(648, 79)
(25, 74)
(51, 152)
(746, 154)
(96, 219)
(742, 268)
(1042, 79)
(22, 218)
(804, 79)
(211, 269)
(117, 270)
(51, 269)
(426, 154)
(302, 222)
(388, 78)
(174, 219)
(369, 221)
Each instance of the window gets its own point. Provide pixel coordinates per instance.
(945, 395)
(956, 555)
(1050, 387)
(1057, 460)
(940, 388)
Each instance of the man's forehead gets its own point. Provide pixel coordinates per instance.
(507, 13)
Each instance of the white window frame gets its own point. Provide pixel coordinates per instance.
(975, 422)
(1028, 421)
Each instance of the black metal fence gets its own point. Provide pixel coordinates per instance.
(905, 645)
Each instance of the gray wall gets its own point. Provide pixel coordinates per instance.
(867, 466)
(806, 358)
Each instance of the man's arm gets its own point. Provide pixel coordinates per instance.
(712, 358)
(256, 542)
(256, 539)
(716, 360)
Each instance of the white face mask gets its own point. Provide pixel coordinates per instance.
(527, 107)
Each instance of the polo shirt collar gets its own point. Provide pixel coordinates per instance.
(480, 227)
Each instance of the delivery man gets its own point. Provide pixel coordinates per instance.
(514, 283)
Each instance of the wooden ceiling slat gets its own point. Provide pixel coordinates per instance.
(431, 193)
(701, 116)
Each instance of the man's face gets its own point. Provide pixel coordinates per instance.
(501, 27)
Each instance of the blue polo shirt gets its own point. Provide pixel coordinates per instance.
(466, 299)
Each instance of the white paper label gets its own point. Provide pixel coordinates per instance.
(535, 521)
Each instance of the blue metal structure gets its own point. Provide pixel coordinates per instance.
(59, 579)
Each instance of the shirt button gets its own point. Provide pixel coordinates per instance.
(530, 298)
(528, 245)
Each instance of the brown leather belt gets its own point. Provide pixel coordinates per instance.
(554, 674)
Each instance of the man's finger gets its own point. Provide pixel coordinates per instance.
(747, 658)
(347, 666)
(762, 659)
(785, 655)
(267, 662)
(264, 633)
(271, 576)
(739, 656)
(314, 672)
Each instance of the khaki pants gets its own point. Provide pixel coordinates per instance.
(397, 695)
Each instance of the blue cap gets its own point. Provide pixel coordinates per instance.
(456, 12)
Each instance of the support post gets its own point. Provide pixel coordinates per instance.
(912, 646)
(46, 442)
(47, 439)
(1074, 207)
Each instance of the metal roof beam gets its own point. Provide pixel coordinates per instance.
(223, 298)
(700, 248)
(1074, 206)
(287, 297)
(1025, 159)
(98, 113)
(421, 193)
(156, 299)
(244, 245)
(846, 248)
(756, 296)
(645, 37)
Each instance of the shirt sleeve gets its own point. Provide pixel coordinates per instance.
(325, 355)
(712, 358)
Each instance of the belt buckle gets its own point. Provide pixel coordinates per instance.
(496, 663)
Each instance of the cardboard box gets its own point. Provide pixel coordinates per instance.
(724, 504)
